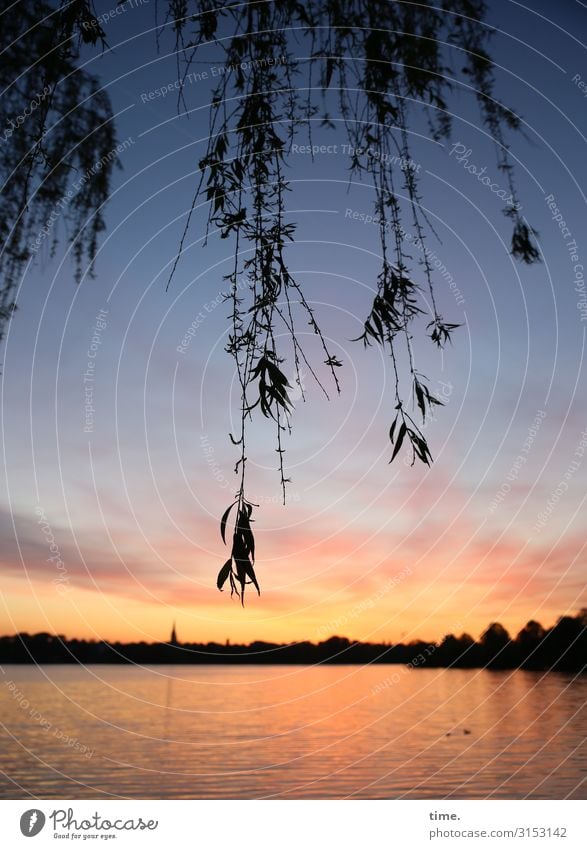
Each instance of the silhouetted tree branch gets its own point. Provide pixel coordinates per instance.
(374, 62)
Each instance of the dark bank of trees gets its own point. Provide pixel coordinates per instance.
(562, 647)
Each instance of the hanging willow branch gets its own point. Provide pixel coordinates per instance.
(372, 60)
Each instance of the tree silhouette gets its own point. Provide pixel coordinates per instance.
(566, 643)
(372, 65)
(567, 650)
(529, 638)
(457, 651)
(496, 645)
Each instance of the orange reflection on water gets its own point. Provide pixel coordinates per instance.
(291, 732)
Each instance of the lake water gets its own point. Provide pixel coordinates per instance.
(374, 732)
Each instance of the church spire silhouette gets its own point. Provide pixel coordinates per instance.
(174, 640)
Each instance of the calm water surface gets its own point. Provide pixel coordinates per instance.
(290, 732)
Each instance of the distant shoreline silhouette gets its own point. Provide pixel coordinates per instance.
(562, 647)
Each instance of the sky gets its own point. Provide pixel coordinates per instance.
(109, 520)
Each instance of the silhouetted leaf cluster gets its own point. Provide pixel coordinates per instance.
(239, 569)
(394, 305)
(407, 427)
(273, 386)
(523, 246)
(441, 331)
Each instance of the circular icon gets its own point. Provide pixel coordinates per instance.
(32, 822)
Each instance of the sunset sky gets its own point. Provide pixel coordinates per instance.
(362, 549)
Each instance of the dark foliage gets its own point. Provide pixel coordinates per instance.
(371, 62)
(562, 647)
(57, 139)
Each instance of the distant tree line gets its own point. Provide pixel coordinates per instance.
(562, 647)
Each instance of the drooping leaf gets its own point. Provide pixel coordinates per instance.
(241, 576)
(392, 430)
(420, 398)
(329, 71)
(223, 574)
(251, 574)
(400, 438)
(247, 534)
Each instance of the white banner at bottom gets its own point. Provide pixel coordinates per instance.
(279, 824)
